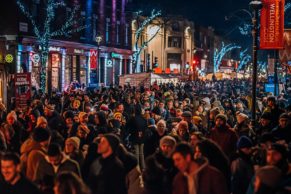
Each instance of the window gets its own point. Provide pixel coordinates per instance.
(176, 27)
(117, 32)
(126, 34)
(174, 41)
(94, 26)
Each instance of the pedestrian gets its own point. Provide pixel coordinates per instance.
(70, 183)
(107, 174)
(13, 181)
(195, 175)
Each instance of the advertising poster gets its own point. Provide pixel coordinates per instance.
(22, 89)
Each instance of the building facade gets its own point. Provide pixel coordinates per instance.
(70, 57)
(171, 49)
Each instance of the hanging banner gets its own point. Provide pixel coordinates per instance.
(272, 24)
(22, 87)
(93, 58)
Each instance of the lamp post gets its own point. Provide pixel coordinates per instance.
(98, 39)
(255, 6)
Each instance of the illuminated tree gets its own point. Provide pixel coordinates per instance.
(218, 55)
(244, 59)
(45, 31)
(138, 45)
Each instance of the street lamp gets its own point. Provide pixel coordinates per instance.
(255, 6)
(98, 39)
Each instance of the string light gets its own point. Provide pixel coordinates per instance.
(44, 35)
(244, 59)
(218, 55)
(138, 49)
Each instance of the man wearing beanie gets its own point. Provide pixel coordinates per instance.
(242, 169)
(54, 164)
(107, 173)
(277, 155)
(223, 135)
(163, 158)
(282, 131)
(33, 151)
(267, 180)
(274, 110)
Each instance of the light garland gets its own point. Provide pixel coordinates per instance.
(138, 49)
(44, 35)
(244, 59)
(218, 55)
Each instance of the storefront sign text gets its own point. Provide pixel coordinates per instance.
(272, 24)
(57, 49)
(78, 51)
(22, 87)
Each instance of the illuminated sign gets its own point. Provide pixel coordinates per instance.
(35, 58)
(272, 24)
(9, 58)
(51, 48)
(78, 51)
(109, 63)
(115, 55)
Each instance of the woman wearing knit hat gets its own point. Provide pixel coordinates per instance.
(72, 146)
(41, 122)
(242, 126)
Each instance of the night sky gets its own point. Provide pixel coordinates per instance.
(203, 12)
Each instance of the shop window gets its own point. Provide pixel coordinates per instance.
(68, 70)
(55, 70)
(83, 69)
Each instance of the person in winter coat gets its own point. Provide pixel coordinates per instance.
(196, 175)
(33, 151)
(13, 181)
(70, 183)
(107, 173)
(267, 180)
(54, 119)
(150, 145)
(137, 126)
(274, 110)
(72, 149)
(134, 181)
(223, 135)
(215, 156)
(282, 131)
(54, 163)
(242, 127)
(163, 159)
(242, 168)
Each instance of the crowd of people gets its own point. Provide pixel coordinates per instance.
(186, 138)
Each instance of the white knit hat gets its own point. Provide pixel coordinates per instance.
(241, 117)
(75, 141)
(12, 114)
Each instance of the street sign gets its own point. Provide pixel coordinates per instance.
(23, 27)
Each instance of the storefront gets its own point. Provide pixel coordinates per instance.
(71, 61)
(76, 66)
(112, 65)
